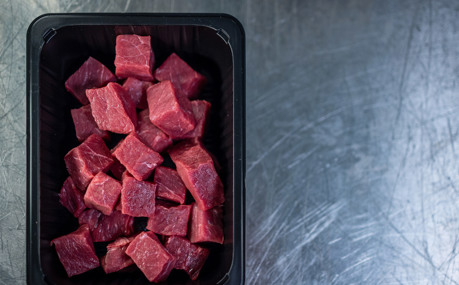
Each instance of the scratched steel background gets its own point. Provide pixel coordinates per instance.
(352, 137)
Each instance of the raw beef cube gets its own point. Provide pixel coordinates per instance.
(189, 257)
(103, 193)
(92, 74)
(107, 228)
(71, 198)
(137, 197)
(86, 160)
(170, 185)
(112, 109)
(85, 124)
(90, 217)
(117, 168)
(116, 257)
(76, 251)
(201, 110)
(206, 226)
(186, 81)
(139, 159)
(134, 57)
(151, 257)
(151, 135)
(137, 91)
(171, 221)
(172, 113)
(196, 168)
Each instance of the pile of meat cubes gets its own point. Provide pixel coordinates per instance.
(107, 189)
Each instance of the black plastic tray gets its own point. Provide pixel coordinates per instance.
(56, 45)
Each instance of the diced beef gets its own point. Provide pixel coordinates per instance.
(206, 226)
(116, 257)
(86, 160)
(151, 257)
(76, 251)
(170, 185)
(137, 197)
(139, 159)
(134, 57)
(170, 112)
(85, 124)
(201, 110)
(102, 193)
(71, 198)
(92, 74)
(151, 135)
(107, 228)
(90, 217)
(196, 168)
(186, 81)
(137, 90)
(189, 257)
(112, 108)
(117, 168)
(171, 221)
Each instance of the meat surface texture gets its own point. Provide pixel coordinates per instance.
(186, 81)
(76, 251)
(102, 193)
(150, 135)
(117, 169)
(86, 160)
(116, 257)
(92, 74)
(112, 109)
(201, 110)
(196, 168)
(137, 90)
(137, 197)
(151, 257)
(188, 257)
(134, 57)
(170, 221)
(206, 226)
(170, 112)
(170, 185)
(90, 217)
(71, 198)
(85, 124)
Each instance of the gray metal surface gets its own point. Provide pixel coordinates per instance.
(352, 137)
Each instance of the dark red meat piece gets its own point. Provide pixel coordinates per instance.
(92, 74)
(90, 217)
(201, 110)
(86, 160)
(137, 197)
(116, 257)
(112, 109)
(71, 198)
(196, 168)
(170, 221)
(189, 257)
(151, 257)
(117, 168)
(107, 228)
(76, 251)
(85, 124)
(172, 113)
(102, 193)
(134, 57)
(137, 90)
(170, 185)
(206, 226)
(186, 81)
(151, 135)
(139, 159)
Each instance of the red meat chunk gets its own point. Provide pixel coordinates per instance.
(171, 221)
(71, 198)
(103, 193)
(117, 168)
(112, 108)
(186, 81)
(76, 251)
(170, 185)
(85, 124)
(151, 257)
(151, 135)
(172, 113)
(134, 57)
(139, 159)
(196, 168)
(90, 217)
(137, 197)
(107, 228)
(206, 226)
(189, 257)
(86, 160)
(201, 110)
(92, 74)
(116, 257)
(137, 90)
